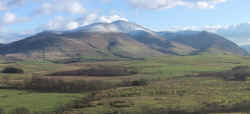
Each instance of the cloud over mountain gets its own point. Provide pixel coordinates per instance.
(60, 23)
(239, 33)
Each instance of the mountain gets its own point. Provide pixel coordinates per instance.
(74, 44)
(119, 39)
(246, 47)
(204, 42)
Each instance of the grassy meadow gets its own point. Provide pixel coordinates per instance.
(170, 89)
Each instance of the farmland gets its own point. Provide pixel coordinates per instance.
(171, 85)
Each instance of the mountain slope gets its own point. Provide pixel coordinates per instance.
(158, 43)
(246, 47)
(204, 42)
(74, 44)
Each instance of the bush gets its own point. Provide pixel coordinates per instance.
(140, 82)
(12, 70)
(21, 110)
(240, 68)
(239, 73)
(99, 71)
(57, 85)
(2, 111)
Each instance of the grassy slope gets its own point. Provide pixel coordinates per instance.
(187, 94)
(11, 99)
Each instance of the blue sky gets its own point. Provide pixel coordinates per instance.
(30, 16)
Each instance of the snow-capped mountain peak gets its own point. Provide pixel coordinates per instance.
(117, 26)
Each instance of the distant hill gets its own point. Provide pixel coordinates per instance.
(246, 47)
(119, 39)
(204, 42)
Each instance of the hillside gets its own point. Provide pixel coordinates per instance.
(204, 42)
(161, 44)
(75, 44)
(246, 47)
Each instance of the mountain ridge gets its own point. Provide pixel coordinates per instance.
(119, 39)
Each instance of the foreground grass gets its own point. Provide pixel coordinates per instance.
(34, 101)
(193, 94)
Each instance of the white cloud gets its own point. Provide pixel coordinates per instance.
(69, 6)
(94, 18)
(203, 4)
(89, 19)
(112, 18)
(9, 18)
(165, 4)
(60, 23)
(74, 7)
(72, 25)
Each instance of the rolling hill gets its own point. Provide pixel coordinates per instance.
(204, 42)
(119, 39)
(246, 47)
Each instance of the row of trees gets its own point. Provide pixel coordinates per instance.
(37, 83)
(240, 73)
(12, 70)
(99, 71)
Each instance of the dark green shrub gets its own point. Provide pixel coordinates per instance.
(57, 85)
(121, 104)
(239, 73)
(140, 82)
(12, 70)
(21, 110)
(241, 77)
(99, 71)
(2, 111)
(240, 68)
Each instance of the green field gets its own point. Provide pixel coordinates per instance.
(35, 101)
(168, 89)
